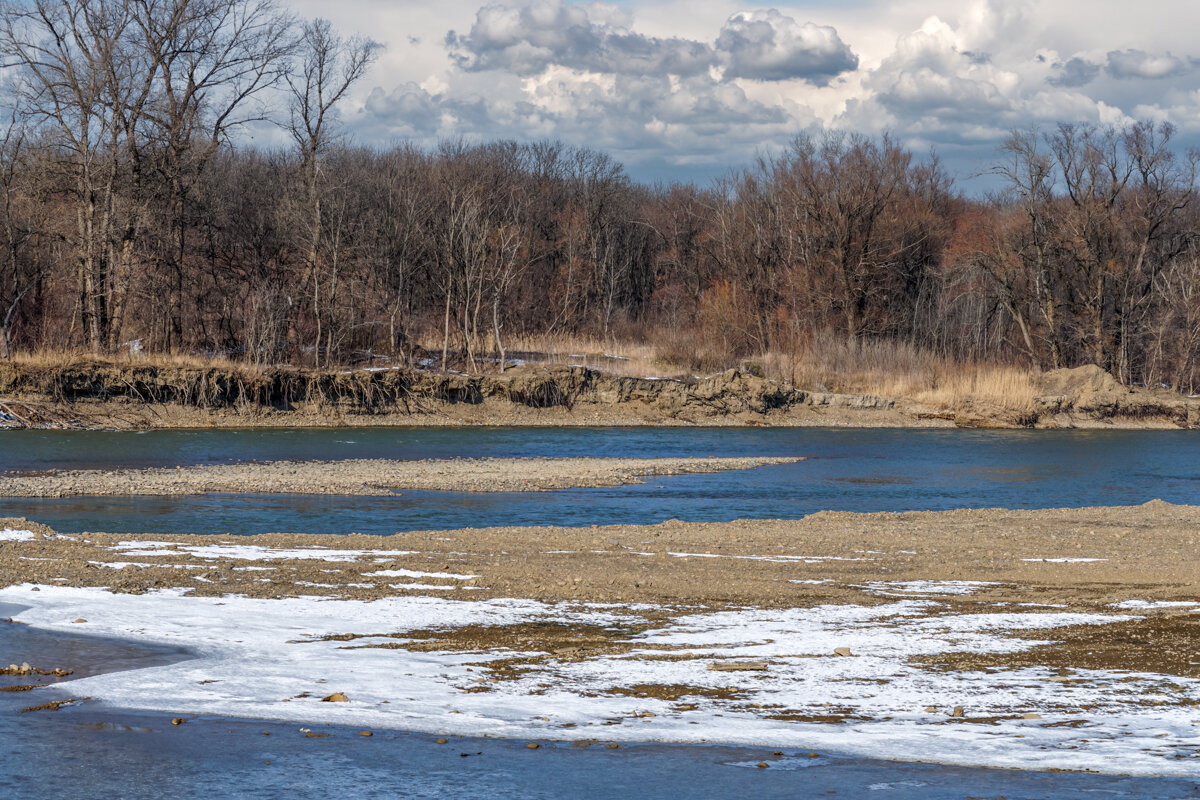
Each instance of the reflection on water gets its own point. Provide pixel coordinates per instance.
(851, 470)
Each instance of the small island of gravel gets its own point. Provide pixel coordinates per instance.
(370, 476)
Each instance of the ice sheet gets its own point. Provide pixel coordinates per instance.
(265, 654)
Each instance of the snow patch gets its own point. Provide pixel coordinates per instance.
(14, 535)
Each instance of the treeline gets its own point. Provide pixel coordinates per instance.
(132, 221)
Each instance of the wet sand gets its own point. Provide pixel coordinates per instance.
(370, 476)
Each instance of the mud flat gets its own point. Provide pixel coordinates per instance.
(371, 476)
(1059, 639)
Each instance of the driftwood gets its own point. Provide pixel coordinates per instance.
(22, 414)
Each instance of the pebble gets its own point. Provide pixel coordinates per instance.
(762, 765)
(533, 745)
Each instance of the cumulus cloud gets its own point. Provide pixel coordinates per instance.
(419, 111)
(929, 76)
(756, 45)
(1140, 64)
(1074, 72)
(528, 39)
(768, 46)
(681, 83)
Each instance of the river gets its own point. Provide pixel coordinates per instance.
(845, 469)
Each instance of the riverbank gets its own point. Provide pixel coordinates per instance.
(129, 396)
(365, 477)
(1036, 639)
(1085, 558)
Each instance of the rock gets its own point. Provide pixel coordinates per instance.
(178, 721)
(930, 709)
(533, 745)
(957, 712)
(81, 619)
(842, 651)
(762, 765)
(442, 741)
(336, 697)
(613, 746)
(365, 733)
(1031, 715)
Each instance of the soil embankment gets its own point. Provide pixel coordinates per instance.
(370, 476)
(133, 396)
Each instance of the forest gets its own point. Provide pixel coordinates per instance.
(137, 219)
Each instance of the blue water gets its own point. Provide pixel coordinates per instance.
(846, 469)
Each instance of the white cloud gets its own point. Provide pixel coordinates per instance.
(528, 39)
(766, 45)
(686, 82)
(1140, 64)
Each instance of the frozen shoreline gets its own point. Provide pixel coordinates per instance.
(268, 659)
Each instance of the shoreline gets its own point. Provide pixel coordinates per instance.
(101, 395)
(1022, 634)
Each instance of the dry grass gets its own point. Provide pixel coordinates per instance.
(834, 364)
(57, 359)
(890, 369)
(633, 359)
(636, 359)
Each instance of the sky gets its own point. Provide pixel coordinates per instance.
(686, 89)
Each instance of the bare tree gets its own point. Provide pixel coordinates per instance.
(329, 65)
(214, 61)
(68, 55)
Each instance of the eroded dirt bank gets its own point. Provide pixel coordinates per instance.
(370, 476)
(124, 396)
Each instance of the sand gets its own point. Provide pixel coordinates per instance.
(370, 476)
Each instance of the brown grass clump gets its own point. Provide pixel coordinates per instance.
(898, 370)
(62, 359)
